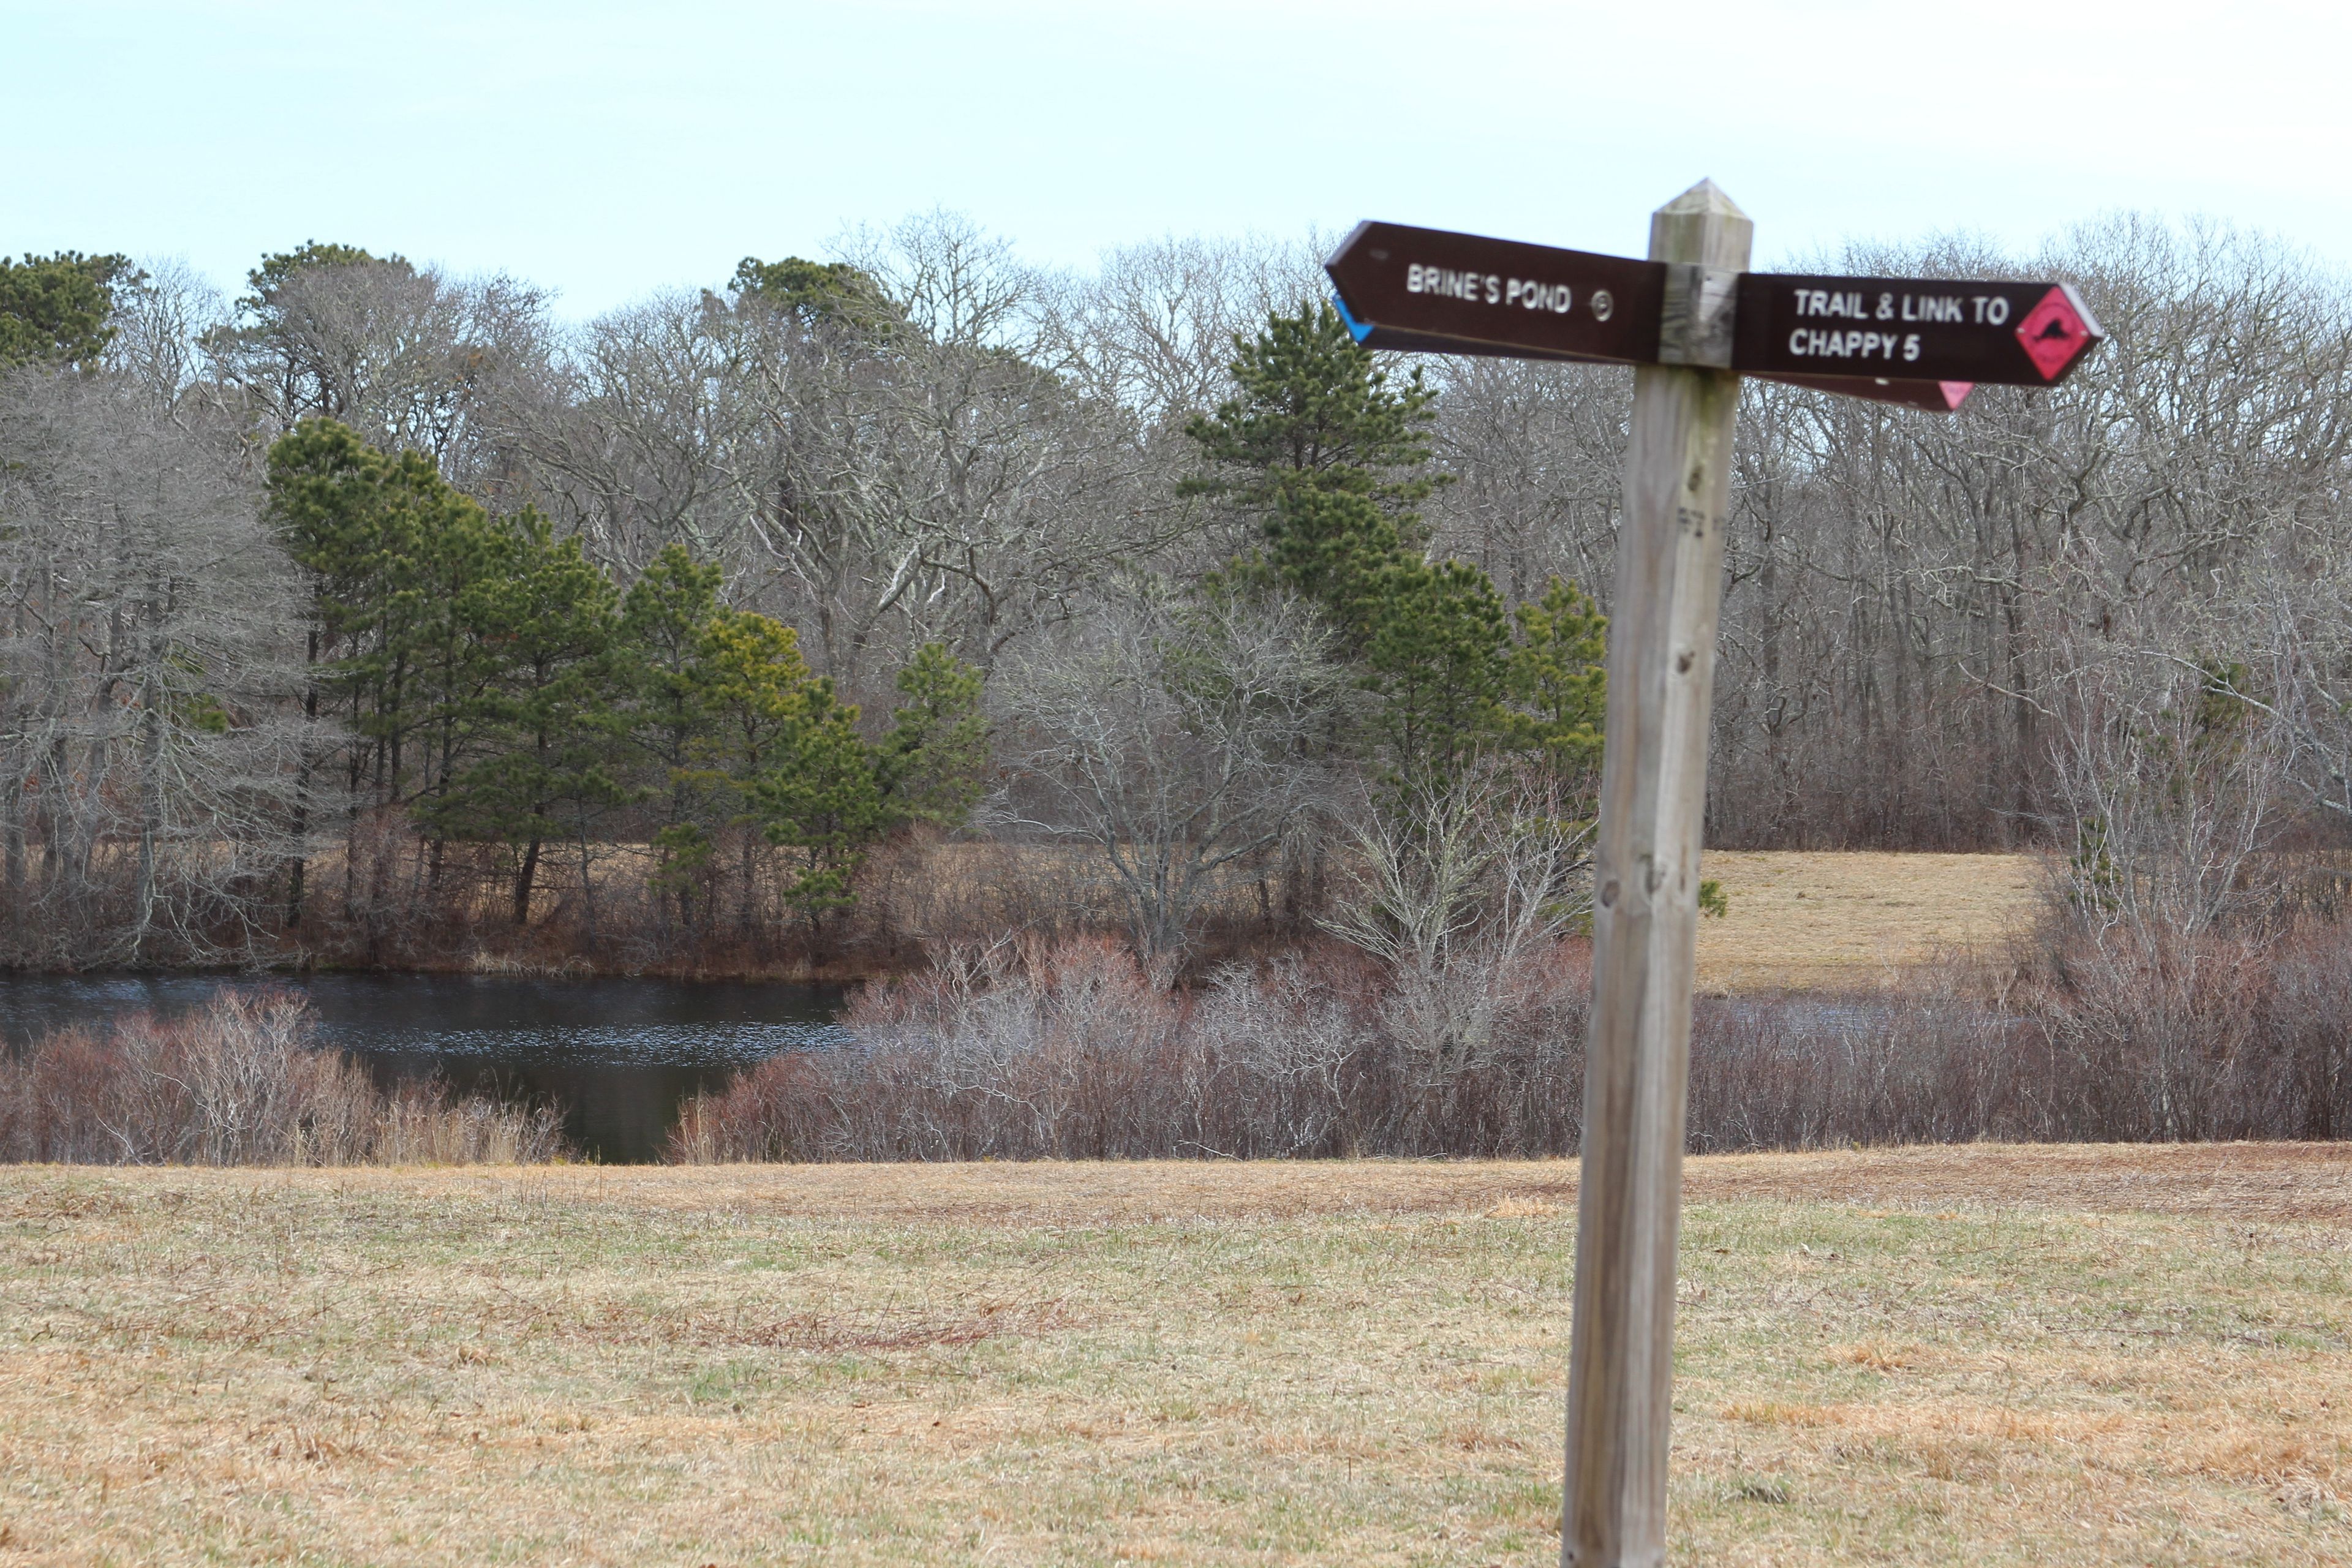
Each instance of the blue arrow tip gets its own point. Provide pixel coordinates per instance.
(1357, 330)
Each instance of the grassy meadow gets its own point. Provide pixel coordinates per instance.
(1976, 1356)
(1850, 919)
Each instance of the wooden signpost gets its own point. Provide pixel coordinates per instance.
(1922, 343)
(1692, 320)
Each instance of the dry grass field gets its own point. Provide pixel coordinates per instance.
(1846, 919)
(1980, 1355)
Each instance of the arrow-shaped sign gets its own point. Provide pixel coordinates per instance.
(1916, 342)
(1935, 397)
(2011, 334)
(1399, 283)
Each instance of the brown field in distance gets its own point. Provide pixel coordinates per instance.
(1986, 1355)
(1849, 919)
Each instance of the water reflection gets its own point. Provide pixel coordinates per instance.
(617, 1054)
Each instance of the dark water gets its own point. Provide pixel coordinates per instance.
(616, 1054)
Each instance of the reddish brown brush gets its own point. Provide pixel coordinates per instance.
(1072, 1051)
(239, 1084)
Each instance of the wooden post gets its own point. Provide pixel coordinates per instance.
(1653, 798)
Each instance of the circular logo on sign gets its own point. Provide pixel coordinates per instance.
(1602, 304)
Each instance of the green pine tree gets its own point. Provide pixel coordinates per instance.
(664, 621)
(271, 276)
(1439, 657)
(822, 803)
(545, 717)
(816, 292)
(54, 309)
(931, 763)
(267, 352)
(375, 534)
(789, 751)
(1558, 684)
(1311, 410)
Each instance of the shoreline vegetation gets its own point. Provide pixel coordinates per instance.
(240, 1083)
(1077, 1048)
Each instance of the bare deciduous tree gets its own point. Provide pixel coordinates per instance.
(408, 356)
(1179, 744)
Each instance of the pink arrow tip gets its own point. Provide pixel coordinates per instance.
(2052, 333)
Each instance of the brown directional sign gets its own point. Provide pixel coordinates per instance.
(1920, 343)
(1917, 328)
(1936, 396)
(1428, 290)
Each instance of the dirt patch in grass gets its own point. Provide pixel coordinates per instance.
(1802, 920)
(1980, 1355)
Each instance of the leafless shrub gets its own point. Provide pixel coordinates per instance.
(1929, 1064)
(986, 1055)
(1070, 1052)
(2217, 1035)
(2229, 1033)
(2304, 1088)
(1282, 1042)
(1073, 1052)
(1454, 879)
(239, 1084)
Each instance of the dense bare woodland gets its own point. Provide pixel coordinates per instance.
(2112, 621)
(1959, 632)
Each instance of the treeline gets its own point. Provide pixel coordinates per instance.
(363, 613)
(432, 688)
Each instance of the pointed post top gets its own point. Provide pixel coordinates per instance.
(1705, 226)
(1707, 196)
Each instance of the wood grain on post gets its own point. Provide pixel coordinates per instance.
(1653, 798)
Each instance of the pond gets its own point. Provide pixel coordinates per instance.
(618, 1055)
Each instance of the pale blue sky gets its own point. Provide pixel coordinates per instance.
(607, 149)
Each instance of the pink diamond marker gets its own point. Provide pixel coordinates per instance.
(1954, 394)
(2053, 332)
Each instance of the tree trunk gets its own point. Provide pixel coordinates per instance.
(587, 891)
(523, 879)
(297, 873)
(150, 814)
(745, 916)
(12, 843)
